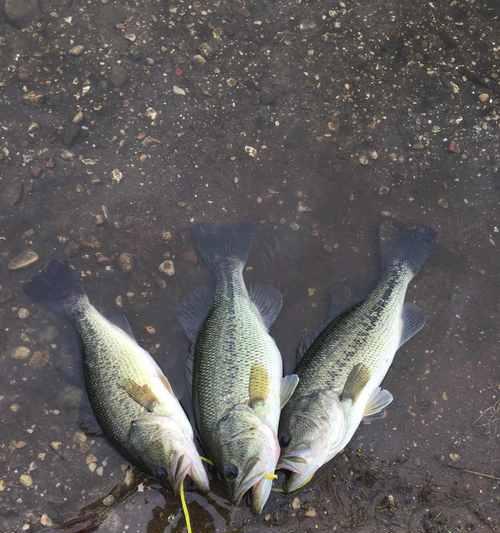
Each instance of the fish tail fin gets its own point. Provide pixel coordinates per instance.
(57, 287)
(408, 245)
(223, 245)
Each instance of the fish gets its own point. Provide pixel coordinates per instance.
(238, 388)
(131, 397)
(340, 374)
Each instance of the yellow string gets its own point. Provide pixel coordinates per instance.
(208, 461)
(270, 476)
(185, 509)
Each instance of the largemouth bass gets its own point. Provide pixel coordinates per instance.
(340, 374)
(131, 397)
(238, 385)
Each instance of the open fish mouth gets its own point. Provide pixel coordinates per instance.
(293, 463)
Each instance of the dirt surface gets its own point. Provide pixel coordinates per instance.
(123, 122)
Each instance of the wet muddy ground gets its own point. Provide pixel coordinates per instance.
(123, 122)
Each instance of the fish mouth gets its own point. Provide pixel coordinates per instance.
(293, 463)
(301, 471)
(247, 483)
(180, 469)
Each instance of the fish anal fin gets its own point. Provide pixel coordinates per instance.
(379, 400)
(141, 394)
(288, 385)
(413, 321)
(356, 381)
(268, 301)
(259, 385)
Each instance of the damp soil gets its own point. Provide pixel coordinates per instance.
(124, 122)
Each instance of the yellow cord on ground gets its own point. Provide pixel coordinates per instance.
(185, 509)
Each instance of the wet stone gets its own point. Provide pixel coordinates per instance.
(21, 353)
(126, 262)
(23, 313)
(23, 260)
(167, 267)
(26, 480)
(77, 50)
(296, 504)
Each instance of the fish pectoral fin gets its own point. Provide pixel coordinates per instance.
(259, 385)
(379, 400)
(356, 381)
(288, 386)
(268, 301)
(141, 394)
(413, 321)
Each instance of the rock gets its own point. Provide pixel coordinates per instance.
(33, 98)
(67, 155)
(118, 75)
(20, 353)
(78, 117)
(126, 262)
(116, 175)
(39, 359)
(109, 500)
(46, 521)
(455, 457)
(56, 445)
(3, 485)
(198, 59)
(167, 267)
(453, 148)
(77, 50)
(296, 503)
(179, 90)
(443, 202)
(26, 480)
(484, 98)
(363, 160)
(310, 512)
(21, 13)
(24, 259)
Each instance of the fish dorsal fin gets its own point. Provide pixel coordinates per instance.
(413, 321)
(259, 385)
(141, 394)
(121, 321)
(356, 381)
(379, 400)
(268, 301)
(193, 310)
(288, 385)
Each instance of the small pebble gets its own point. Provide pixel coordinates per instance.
(109, 500)
(130, 37)
(251, 151)
(67, 155)
(78, 117)
(454, 456)
(24, 259)
(296, 504)
(442, 202)
(20, 353)
(126, 262)
(151, 330)
(26, 480)
(92, 467)
(198, 59)
(39, 359)
(46, 521)
(3, 485)
(77, 50)
(294, 226)
(363, 160)
(116, 175)
(374, 155)
(484, 98)
(56, 444)
(179, 90)
(310, 512)
(23, 313)
(453, 148)
(167, 267)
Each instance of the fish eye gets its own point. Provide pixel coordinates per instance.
(230, 471)
(285, 440)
